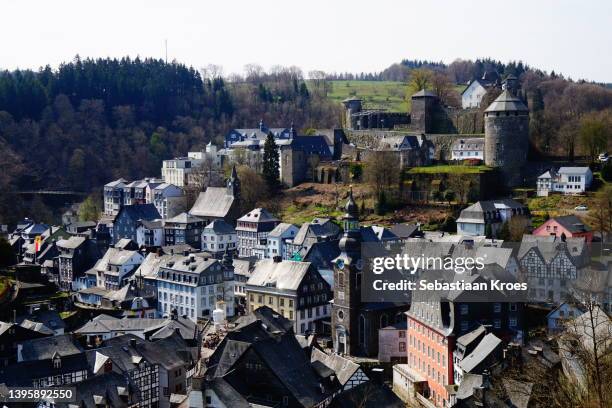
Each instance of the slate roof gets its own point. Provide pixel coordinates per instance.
(46, 347)
(574, 170)
(170, 352)
(284, 275)
(424, 93)
(140, 212)
(242, 267)
(102, 390)
(126, 243)
(214, 202)
(71, 243)
(483, 350)
(258, 215)
(468, 383)
(114, 256)
(404, 231)
(273, 321)
(49, 318)
(184, 218)
(150, 266)
(280, 229)
(342, 367)
(318, 227)
(506, 102)
(475, 212)
(572, 223)
(369, 395)
(472, 336)
(322, 254)
(150, 327)
(220, 227)
(227, 394)
(549, 246)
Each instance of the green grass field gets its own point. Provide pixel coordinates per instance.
(390, 95)
(375, 94)
(450, 169)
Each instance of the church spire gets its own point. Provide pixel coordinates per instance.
(350, 243)
(233, 184)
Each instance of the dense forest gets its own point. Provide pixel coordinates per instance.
(91, 121)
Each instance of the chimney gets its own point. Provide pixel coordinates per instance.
(132, 342)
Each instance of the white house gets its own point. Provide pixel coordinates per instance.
(218, 236)
(392, 343)
(559, 316)
(465, 149)
(176, 171)
(192, 285)
(474, 219)
(471, 97)
(168, 200)
(567, 180)
(115, 266)
(150, 233)
(113, 196)
(278, 237)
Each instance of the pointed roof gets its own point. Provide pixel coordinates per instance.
(424, 93)
(507, 102)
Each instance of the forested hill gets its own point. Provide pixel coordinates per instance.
(91, 121)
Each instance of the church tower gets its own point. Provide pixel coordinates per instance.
(347, 283)
(233, 184)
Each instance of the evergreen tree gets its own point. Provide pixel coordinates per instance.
(271, 172)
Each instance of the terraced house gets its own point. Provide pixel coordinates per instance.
(293, 289)
(192, 285)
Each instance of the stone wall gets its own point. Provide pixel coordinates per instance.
(367, 139)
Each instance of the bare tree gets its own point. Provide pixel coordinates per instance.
(382, 171)
(586, 345)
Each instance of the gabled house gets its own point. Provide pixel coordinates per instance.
(277, 238)
(252, 231)
(293, 289)
(482, 216)
(168, 199)
(219, 203)
(569, 226)
(551, 265)
(184, 229)
(128, 219)
(115, 267)
(468, 149)
(218, 237)
(472, 95)
(76, 255)
(319, 229)
(566, 180)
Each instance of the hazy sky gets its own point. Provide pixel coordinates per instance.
(572, 37)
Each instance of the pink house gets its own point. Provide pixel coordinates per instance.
(570, 225)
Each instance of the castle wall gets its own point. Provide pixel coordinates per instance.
(368, 139)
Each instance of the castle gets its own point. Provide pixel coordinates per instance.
(505, 123)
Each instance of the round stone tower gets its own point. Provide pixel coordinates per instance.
(507, 136)
(351, 105)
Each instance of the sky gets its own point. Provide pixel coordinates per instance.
(570, 37)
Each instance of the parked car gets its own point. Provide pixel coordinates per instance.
(603, 157)
(581, 207)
